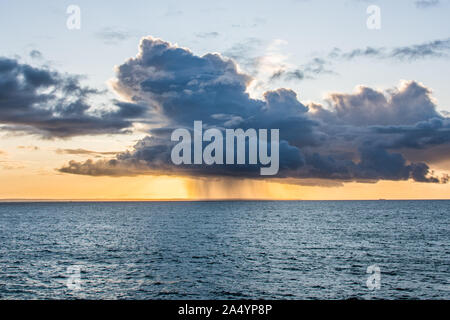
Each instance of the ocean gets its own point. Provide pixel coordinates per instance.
(225, 250)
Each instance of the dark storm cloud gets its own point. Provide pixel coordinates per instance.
(423, 135)
(375, 164)
(356, 137)
(410, 104)
(50, 104)
(183, 87)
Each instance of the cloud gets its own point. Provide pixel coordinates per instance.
(246, 52)
(182, 87)
(207, 35)
(35, 54)
(409, 104)
(50, 104)
(11, 165)
(322, 65)
(33, 148)
(112, 35)
(435, 48)
(288, 75)
(309, 70)
(359, 136)
(85, 152)
(426, 3)
(268, 63)
(422, 4)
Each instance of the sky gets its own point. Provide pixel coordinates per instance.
(363, 109)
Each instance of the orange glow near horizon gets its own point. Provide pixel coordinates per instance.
(73, 187)
(28, 172)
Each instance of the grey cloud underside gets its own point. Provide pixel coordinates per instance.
(50, 104)
(361, 136)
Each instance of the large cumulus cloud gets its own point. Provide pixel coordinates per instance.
(360, 136)
(51, 104)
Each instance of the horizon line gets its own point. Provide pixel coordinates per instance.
(18, 200)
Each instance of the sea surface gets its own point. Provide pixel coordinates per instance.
(225, 250)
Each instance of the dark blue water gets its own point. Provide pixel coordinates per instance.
(225, 250)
